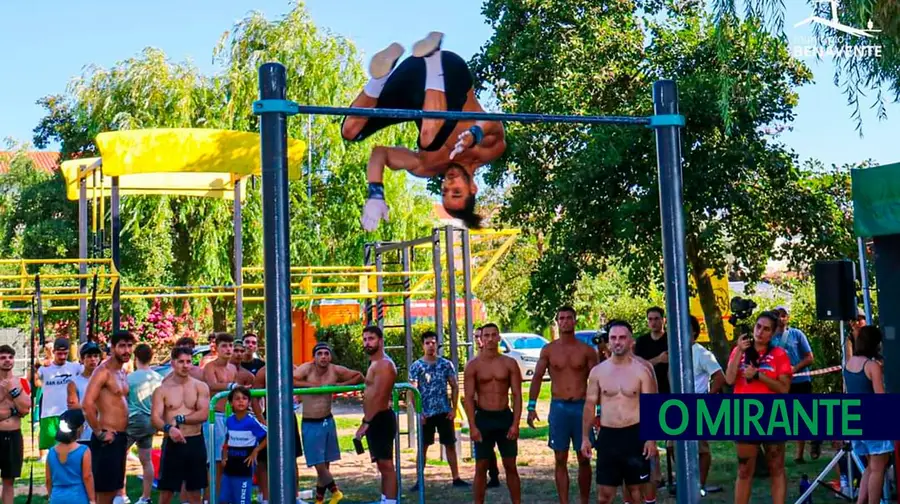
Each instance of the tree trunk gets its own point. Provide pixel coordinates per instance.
(715, 326)
(220, 315)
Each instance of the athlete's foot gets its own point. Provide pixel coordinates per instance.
(494, 483)
(428, 45)
(462, 484)
(384, 60)
(336, 497)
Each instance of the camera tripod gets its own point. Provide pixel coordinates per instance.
(846, 450)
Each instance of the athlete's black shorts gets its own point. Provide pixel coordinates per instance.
(183, 463)
(108, 462)
(11, 454)
(405, 89)
(443, 425)
(620, 457)
(494, 427)
(380, 435)
(264, 453)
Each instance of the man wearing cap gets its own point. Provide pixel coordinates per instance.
(90, 354)
(317, 427)
(54, 381)
(795, 343)
(243, 377)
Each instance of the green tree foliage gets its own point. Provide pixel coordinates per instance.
(189, 241)
(593, 191)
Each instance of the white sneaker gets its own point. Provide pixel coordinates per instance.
(143, 500)
(384, 60)
(428, 45)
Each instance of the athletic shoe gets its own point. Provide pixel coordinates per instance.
(336, 497)
(384, 60)
(460, 483)
(414, 488)
(142, 500)
(494, 483)
(428, 45)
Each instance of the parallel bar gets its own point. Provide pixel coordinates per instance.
(238, 263)
(668, 156)
(116, 228)
(82, 254)
(276, 252)
(411, 114)
(387, 247)
(438, 291)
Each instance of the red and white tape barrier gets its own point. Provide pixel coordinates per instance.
(815, 372)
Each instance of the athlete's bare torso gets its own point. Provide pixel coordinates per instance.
(183, 399)
(570, 364)
(620, 384)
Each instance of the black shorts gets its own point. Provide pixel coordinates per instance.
(405, 89)
(494, 427)
(380, 435)
(183, 463)
(801, 388)
(620, 457)
(262, 458)
(108, 462)
(443, 425)
(11, 454)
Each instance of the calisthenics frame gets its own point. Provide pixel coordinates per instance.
(274, 110)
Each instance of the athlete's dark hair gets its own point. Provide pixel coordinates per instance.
(8, 350)
(69, 424)
(428, 335)
(657, 309)
(120, 336)
(180, 350)
(223, 337)
(251, 335)
(695, 326)
(867, 342)
(466, 214)
(143, 353)
(567, 309)
(490, 325)
(773, 317)
(186, 341)
(244, 391)
(619, 323)
(374, 329)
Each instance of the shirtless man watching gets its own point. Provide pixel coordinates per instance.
(379, 424)
(15, 402)
(105, 408)
(244, 377)
(179, 409)
(492, 377)
(318, 429)
(617, 384)
(570, 362)
(432, 79)
(220, 375)
(194, 371)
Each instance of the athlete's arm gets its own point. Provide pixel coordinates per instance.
(48, 476)
(876, 374)
(717, 382)
(157, 406)
(209, 376)
(537, 381)
(87, 476)
(91, 395)
(72, 396)
(734, 363)
(592, 396)
(469, 377)
(348, 376)
(648, 386)
(200, 416)
(395, 158)
(515, 384)
(380, 391)
(259, 382)
(454, 390)
(22, 402)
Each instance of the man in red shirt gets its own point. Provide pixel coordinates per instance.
(758, 367)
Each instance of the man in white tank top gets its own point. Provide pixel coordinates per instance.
(90, 358)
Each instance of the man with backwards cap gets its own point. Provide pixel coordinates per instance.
(317, 427)
(54, 379)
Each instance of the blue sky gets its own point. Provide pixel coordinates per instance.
(47, 43)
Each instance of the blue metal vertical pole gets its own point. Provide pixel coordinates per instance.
(668, 157)
(276, 253)
(238, 263)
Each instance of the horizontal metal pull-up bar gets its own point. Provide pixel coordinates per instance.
(291, 108)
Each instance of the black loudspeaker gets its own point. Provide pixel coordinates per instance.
(835, 290)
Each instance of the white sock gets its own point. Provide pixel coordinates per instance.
(383, 498)
(375, 86)
(434, 72)
(390, 501)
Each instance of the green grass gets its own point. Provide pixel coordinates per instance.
(134, 486)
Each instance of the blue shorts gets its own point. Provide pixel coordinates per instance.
(320, 440)
(872, 447)
(236, 490)
(565, 424)
(219, 432)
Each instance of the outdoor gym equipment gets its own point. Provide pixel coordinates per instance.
(329, 389)
(274, 110)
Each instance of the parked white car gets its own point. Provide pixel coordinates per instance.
(525, 348)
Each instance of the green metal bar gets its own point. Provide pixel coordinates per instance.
(329, 389)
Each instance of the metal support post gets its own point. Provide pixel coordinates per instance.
(864, 274)
(276, 253)
(238, 263)
(668, 154)
(467, 293)
(379, 282)
(116, 228)
(451, 297)
(368, 250)
(438, 291)
(411, 425)
(82, 254)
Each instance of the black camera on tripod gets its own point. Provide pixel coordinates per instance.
(741, 310)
